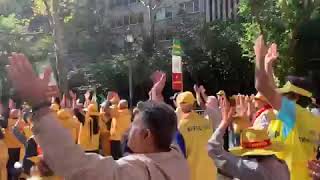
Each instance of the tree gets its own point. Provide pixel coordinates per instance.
(15, 37)
(57, 11)
(279, 21)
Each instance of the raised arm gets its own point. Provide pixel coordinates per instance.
(61, 154)
(268, 90)
(270, 58)
(200, 101)
(234, 166)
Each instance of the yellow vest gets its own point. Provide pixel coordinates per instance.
(120, 124)
(87, 140)
(196, 132)
(299, 130)
(70, 123)
(4, 156)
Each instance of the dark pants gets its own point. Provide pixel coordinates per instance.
(116, 150)
(14, 156)
(96, 151)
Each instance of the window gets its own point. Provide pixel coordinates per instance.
(118, 2)
(133, 1)
(119, 22)
(133, 19)
(126, 20)
(191, 6)
(164, 13)
(124, 2)
(216, 15)
(165, 35)
(169, 13)
(113, 23)
(141, 18)
(196, 6)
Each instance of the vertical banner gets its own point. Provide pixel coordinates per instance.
(177, 78)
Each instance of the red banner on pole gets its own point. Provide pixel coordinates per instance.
(177, 81)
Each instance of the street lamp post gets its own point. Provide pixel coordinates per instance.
(129, 40)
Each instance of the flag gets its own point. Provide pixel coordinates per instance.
(177, 78)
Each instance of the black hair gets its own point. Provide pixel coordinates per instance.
(79, 115)
(57, 100)
(161, 119)
(94, 125)
(5, 117)
(303, 83)
(91, 94)
(1, 135)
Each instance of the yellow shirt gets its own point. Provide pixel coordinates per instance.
(196, 131)
(87, 139)
(72, 124)
(11, 140)
(120, 124)
(4, 156)
(27, 131)
(299, 130)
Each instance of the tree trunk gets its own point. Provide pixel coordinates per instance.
(58, 34)
(152, 22)
(56, 26)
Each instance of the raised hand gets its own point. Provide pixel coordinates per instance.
(202, 89)
(272, 54)
(260, 50)
(156, 76)
(196, 89)
(156, 91)
(26, 82)
(227, 113)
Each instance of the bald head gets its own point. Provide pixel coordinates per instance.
(14, 113)
(123, 104)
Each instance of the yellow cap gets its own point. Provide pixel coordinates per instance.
(221, 93)
(186, 98)
(289, 87)
(255, 142)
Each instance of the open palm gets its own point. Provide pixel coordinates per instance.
(26, 82)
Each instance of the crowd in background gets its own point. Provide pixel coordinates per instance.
(272, 135)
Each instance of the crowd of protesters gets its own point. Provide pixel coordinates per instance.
(272, 135)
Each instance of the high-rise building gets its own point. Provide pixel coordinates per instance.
(221, 9)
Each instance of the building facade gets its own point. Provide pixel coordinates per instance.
(221, 9)
(135, 17)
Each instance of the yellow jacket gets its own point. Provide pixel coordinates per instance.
(88, 140)
(69, 122)
(120, 124)
(3, 160)
(196, 131)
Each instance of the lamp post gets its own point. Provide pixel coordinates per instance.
(129, 40)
